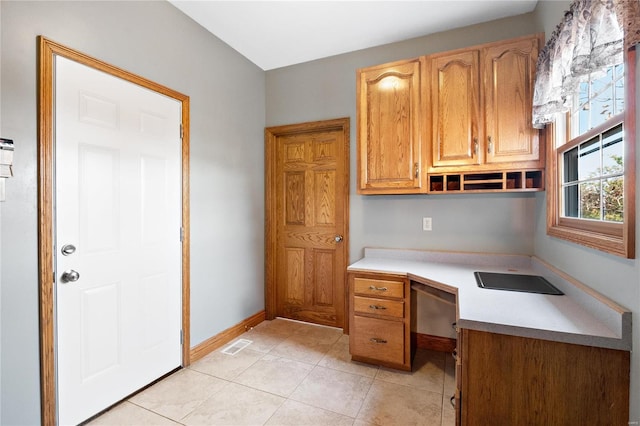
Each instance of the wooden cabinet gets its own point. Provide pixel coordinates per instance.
(458, 356)
(481, 107)
(508, 79)
(510, 380)
(455, 109)
(455, 116)
(380, 319)
(389, 128)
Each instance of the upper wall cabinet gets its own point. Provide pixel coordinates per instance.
(481, 107)
(509, 70)
(389, 128)
(455, 109)
(450, 122)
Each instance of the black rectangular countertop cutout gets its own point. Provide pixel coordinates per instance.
(516, 282)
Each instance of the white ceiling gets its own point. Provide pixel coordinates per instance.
(274, 34)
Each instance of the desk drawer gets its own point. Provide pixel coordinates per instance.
(378, 339)
(373, 287)
(370, 305)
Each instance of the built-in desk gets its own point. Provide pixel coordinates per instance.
(522, 358)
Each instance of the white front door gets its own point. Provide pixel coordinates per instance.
(118, 203)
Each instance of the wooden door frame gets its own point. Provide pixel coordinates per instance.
(271, 136)
(47, 50)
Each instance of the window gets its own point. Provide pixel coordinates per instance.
(593, 178)
(591, 170)
(597, 100)
(592, 161)
(587, 71)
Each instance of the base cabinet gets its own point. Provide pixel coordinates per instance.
(380, 320)
(510, 380)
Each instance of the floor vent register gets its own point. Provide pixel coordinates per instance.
(236, 346)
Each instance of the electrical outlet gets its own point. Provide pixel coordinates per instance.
(426, 224)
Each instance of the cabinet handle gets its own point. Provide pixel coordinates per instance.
(454, 354)
(490, 146)
(454, 325)
(372, 287)
(475, 146)
(452, 400)
(377, 307)
(417, 170)
(377, 340)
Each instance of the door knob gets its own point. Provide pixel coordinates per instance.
(68, 249)
(338, 238)
(70, 276)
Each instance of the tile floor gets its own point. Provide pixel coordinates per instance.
(294, 374)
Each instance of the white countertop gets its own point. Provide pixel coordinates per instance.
(580, 316)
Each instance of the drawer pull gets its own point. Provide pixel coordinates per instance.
(452, 400)
(372, 287)
(377, 340)
(377, 307)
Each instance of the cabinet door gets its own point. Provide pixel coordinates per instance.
(389, 146)
(509, 70)
(455, 105)
(459, 352)
(512, 380)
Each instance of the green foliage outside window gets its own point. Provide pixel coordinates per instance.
(605, 193)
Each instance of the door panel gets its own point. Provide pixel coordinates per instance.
(99, 198)
(509, 71)
(389, 142)
(310, 201)
(118, 200)
(101, 339)
(323, 266)
(456, 109)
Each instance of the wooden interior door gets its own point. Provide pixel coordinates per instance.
(307, 221)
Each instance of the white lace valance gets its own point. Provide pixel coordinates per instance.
(592, 35)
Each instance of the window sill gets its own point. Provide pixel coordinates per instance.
(619, 245)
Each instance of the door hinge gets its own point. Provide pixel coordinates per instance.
(181, 234)
(181, 337)
(181, 131)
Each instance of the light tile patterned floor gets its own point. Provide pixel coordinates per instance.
(294, 374)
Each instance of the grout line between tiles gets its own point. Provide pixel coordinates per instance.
(274, 413)
(151, 411)
(210, 396)
(339, 356)
(373, 380)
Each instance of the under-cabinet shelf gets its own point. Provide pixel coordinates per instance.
(502, 181)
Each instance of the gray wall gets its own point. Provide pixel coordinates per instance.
(616, 278)
(495, 223)
(228, 115)
(326, 88)
(498, 223)
(157, 41)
